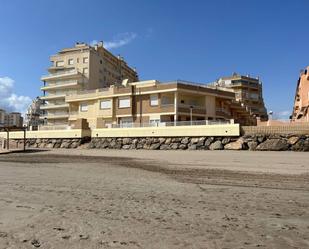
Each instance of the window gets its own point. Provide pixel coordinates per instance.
(85, 60)
(101, 61)
(70, 61)
(154, 101)
(77, 60)
(106, 104)
(83, 107)
(85, 70)
(124, 103)
(59, 63)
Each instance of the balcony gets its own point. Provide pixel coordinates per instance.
(198, 110)
(61, 85)
(223, 112)
(73, 73)
(53, 96)
(54, 106)
(167, 108)
(59, 115)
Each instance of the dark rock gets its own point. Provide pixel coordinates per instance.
(209, 141)
(301, 145)
(226, 140)
(217, 145)
(174, 146)
(182, 146)
(252, 145)
(273, 145)
(165, 147)
(155, 146)
(185, 140)
(192, 147)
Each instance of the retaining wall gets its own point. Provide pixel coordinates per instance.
(248, 142)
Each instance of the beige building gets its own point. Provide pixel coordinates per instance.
(301, 101)
(76, 69)
(2, 117)
(13, 119)
(148, 103)
(248, 91)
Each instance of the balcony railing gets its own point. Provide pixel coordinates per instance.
(64, 72)
(54, 127)
(169, 124)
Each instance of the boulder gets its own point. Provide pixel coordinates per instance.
(126, 147)
(209, 141)
(174, 146)
(252, 145)
(185, 140)
(293, 140)
(155, 146)
(238, 145)
(162, 140)
(301, 145)
(164, 147)
(194, 140)
(182, 146)
(273, 145)
(168, 141)
(217, 145)
(192, 147)
(226, 140)
(126, 141)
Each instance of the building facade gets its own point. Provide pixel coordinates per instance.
(2, 117)
(301, 100)
(154, 103)
(80, 68)
(13, 119)
(248, 91)
(33, 114)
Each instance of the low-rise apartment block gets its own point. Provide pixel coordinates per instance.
(82, 67)
(301, 100)
(13, 119)
(248, 91)
(155, 103)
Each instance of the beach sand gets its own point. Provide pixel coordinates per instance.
(154, 199)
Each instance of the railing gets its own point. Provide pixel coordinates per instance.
(60, 83)
(54, 127)
(223, 110)
(72, 71)
(169, 124)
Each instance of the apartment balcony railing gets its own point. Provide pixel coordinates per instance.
(223, 111)
(169, 124)
(167, 107)
(63, 73)
(54, 127)
(55, 115)
(192, 108)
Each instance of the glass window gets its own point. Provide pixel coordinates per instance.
(60, 63)
(124, 103)
(70, 61)
(85, 70)
(106, 104)
(84, 107)
(154, 101)
(85, 60)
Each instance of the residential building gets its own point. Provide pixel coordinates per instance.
(13, 119)
(2, 117)
(248, 91)
(32, 117)
(154, 103)
(80, 68)
(301, 100)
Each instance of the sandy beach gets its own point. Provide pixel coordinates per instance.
(154, 199)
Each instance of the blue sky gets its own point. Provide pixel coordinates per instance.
(164, 39)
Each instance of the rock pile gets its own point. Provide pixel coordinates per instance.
(246, 142)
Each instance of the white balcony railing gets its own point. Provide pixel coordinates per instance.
(64, 72)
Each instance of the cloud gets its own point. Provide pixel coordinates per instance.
(10, 101)
(282, 114)
(118, 41)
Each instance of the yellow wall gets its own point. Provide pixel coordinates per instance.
(47, 134)
(178, 131)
